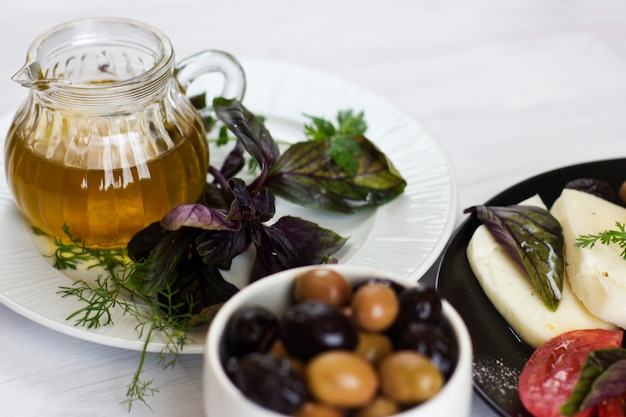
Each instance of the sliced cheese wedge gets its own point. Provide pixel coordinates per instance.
(597, 275)
(514, 296)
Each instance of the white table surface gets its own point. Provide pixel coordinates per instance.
(509, 89)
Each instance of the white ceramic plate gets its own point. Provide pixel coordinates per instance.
(404, 236)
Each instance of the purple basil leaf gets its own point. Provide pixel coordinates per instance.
(249, 129)
(602, 376)
(144, 241)
(250, 206)
(293, 242)
(160, 267)
(305, 175)
(217, 289)
(234, 161)
(265, 205)
(219, 247)
(214, 197)
(199, 216)
(197, 287)
(206, 315)
(533, 238)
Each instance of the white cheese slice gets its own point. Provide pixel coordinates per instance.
(514, 296)
(597, 275)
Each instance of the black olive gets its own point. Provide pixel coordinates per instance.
(270, 381)
(597, 187)
(311, 327)
(250, 329)
(230, 363)
(430, 340)
(421, 304)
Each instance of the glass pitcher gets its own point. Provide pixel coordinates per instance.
(107, 140)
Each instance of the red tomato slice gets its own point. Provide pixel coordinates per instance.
(613, 407)
(549, 376)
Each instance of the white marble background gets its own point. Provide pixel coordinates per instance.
(510, 88)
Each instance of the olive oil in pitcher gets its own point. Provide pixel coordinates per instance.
(104, 193)
(107, 141)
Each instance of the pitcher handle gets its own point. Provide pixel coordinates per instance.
(213, 61)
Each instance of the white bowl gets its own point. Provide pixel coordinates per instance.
(223, 399)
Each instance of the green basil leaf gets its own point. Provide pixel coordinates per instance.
(602, 376)
(533, 238)
(305, 175)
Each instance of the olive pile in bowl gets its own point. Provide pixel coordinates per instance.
(337, 341)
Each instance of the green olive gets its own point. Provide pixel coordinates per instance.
(380, 407)
(375, 306)
(409, 377)
(342, 379)
(373, 346)
(313, 409)
(622, 192)
(323, 284)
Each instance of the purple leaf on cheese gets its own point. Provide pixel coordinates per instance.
(533, 238)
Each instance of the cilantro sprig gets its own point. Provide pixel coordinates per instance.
(343, 147)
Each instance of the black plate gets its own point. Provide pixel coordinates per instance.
(499, 355)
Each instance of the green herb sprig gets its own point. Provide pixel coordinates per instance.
(343, 147)
(69, 255)
(173, 319)
(616, 236)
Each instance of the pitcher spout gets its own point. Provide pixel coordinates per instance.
(27, 75)
(30, 76)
